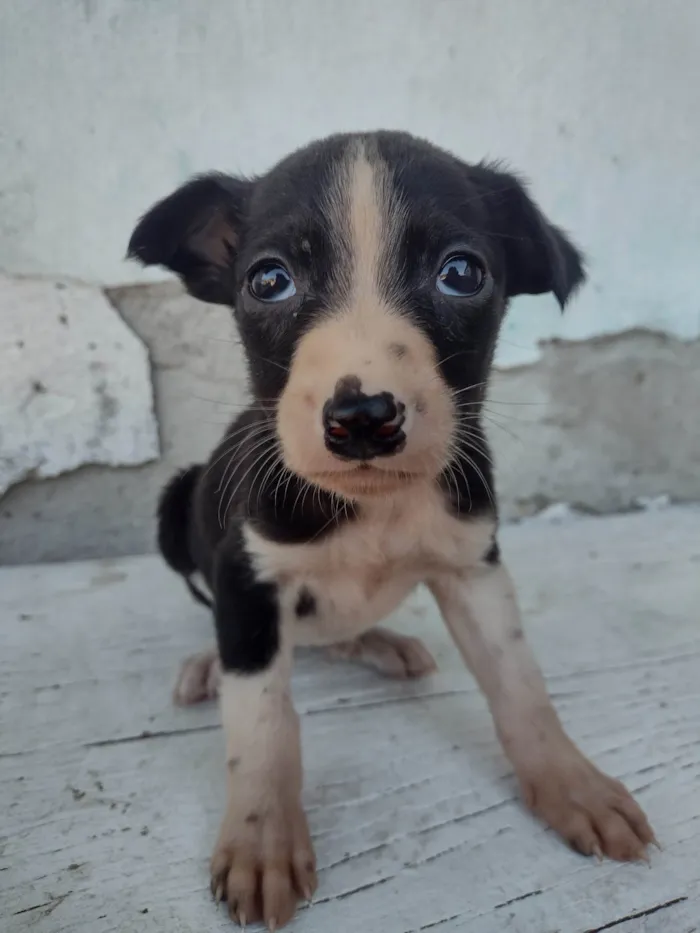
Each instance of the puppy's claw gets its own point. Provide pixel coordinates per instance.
(219, 893)
(597, 852)
(272, 925)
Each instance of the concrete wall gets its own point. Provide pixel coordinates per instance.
(108, 104)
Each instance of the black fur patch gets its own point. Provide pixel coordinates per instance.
(174, 521)
(246, 613)
(493, 555)
(306, 603)
(348, 386)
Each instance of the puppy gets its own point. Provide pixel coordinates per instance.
(368, 275)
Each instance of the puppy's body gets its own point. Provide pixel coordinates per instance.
(369, 275)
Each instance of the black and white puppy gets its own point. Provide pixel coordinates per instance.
(368, 276)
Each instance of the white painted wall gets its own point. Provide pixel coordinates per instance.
(105, 105)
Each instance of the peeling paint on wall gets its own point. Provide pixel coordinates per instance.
(75, 384)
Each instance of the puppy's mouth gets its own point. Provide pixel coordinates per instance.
(365, 479)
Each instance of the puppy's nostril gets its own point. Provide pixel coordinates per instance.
(388, 429)
(337, 430)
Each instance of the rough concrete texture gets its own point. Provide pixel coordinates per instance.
(74, 383)
(111, 795)
(198, 383)
(599, 424)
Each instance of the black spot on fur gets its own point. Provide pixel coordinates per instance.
(399, 350)
(306, 604)
(252, 818)
(493, 555)
(348, 385)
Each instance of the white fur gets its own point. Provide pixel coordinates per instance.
(363, 570)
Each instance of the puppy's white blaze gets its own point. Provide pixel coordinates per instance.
(356, 338)
(370, 233)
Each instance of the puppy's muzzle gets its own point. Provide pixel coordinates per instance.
(361, 427)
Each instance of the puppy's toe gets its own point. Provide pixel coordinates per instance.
(263, 869)
(593, 812)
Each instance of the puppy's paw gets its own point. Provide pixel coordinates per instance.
(199, 679)
(264, 864)
(594, 813)
(391, 654)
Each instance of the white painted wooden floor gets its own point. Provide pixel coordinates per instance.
(110, 796)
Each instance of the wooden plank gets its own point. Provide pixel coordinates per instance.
(110, 796)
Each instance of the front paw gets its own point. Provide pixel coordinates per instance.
(264, 863)
(594, 813)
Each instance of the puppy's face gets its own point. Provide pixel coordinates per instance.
(369, 276)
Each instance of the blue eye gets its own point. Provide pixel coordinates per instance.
(270, 281)
(461, 276)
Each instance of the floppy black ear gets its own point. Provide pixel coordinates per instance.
(539, 257)
(195, 233)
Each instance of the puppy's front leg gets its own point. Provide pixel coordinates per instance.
(263, 861)
(592, 811)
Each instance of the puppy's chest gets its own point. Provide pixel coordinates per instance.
(334, 589)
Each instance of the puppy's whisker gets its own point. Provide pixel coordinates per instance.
(260, 462)
(222, 512)
(446, 359)
(477, 469)
(263, 359)
(454, 479)
(476, 385)
(263, 483)
(263, 452)
(477, 444)
(229, 451)
(502, 427)
(258, 436)
(258, 404)
(303, 485)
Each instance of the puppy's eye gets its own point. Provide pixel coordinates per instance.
(271, 282)
(461, 276)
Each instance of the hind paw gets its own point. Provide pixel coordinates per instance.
(391, 654)
(199, 679)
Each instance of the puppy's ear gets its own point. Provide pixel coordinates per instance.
(539, 257)
(195, 232)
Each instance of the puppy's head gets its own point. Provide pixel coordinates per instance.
(368, 275)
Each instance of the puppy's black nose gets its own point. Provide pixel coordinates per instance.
(360, 427)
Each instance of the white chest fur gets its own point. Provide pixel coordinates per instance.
(364, 570)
